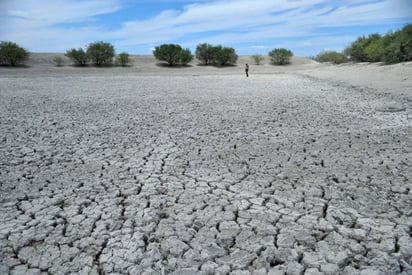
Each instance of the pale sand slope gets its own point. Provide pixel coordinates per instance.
(200, 170)
(382, 78)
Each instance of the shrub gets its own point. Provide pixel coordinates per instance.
(280, 56)
(101, 53)
(204, 53)
(58, 61)
(11, 53)
(185, 56)
(123, 59)
(223, 55)
(374, 51)
(331, 56)
(79, 56)
(406, 42)
(393, 53)
(398, 46)
(215, 55)
(390, 48)
(257, 58)
(173, 54)
(358, 49)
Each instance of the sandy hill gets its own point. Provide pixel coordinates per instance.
(376, 76)
(46, 59)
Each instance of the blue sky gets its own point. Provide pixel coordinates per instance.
(250, 26)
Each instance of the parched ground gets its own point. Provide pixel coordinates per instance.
(107, 172)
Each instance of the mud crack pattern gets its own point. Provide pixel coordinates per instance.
(276, 174)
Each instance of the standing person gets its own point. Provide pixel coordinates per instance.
(247, 70)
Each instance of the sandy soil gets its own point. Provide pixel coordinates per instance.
(301, 169)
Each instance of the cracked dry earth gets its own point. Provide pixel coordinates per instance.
(202, 174)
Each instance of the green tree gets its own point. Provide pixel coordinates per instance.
(78, 56)
(357, 51)
(331, 56)
(11, 53)
(215, 55)
(398, 45)
(173, 54)
(406, 42)
(58, 61)
(393, 53)
(186, 56)
(280, 56)
(123, 59)
(223, 55)
(101, 53)
(257, 59)
(375, 50)
(204, 53)
(393, 47)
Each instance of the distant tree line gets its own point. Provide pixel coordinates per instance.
(208, 54)
(393, 47)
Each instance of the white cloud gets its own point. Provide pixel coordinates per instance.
(35, 24)
(245, 21)
(38, 24)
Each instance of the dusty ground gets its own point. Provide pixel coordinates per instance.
(301, 169)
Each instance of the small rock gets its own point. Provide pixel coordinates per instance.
(212, 251)
(239, 259)
(209, 267)
(341, 258)
(295, 268)
(405, 246)
(390, 109)
(329, 269)
(282, 176)
(240, 272)
(370, 272)
(312, 259)
(285, 240)
(313, 271)
(223, 270)
(174, 246)
(278, 270)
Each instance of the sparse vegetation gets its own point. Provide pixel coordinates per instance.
(58, 61)
(280, 56)
(78, 56)
(257, 59)
(123, 59)
(11, 54)
(331, 56)
(173, 54)
(101, 53)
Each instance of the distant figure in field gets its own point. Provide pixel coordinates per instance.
(247, 70)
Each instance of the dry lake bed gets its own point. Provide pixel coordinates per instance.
(201, 170)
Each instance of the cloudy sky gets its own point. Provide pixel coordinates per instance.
(250, 26)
